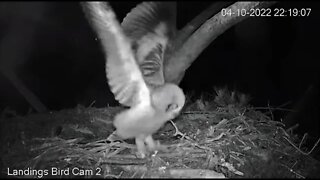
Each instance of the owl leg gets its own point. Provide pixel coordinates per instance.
(154, 145)
(141, 147)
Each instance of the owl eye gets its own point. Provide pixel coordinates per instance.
(171, 107)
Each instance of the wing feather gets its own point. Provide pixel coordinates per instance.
(124, 76)
(145, 17)
(150, 25)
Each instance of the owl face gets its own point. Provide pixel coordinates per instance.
(168, 99)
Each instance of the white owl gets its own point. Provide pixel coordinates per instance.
(134, 67)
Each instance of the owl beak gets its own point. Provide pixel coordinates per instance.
(174, 114)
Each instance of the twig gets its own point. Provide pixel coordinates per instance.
(271, 108)
(124, 161)
(179, 132)
(290, 129)
(272, 117)
(294, 172)
(303, 138)
(199, 112)
(92, 103)
(298, 149)
(30, 97)
(114, 176)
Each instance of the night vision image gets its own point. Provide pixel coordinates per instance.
(159, 89)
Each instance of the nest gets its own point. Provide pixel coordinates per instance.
(222, 137)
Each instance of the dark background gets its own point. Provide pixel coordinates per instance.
(273, 59)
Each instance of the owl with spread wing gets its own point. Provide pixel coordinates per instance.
(135, 52)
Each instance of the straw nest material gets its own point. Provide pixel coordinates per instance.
(219, 137)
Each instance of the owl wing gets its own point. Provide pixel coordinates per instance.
(151, 26)
(124, 76)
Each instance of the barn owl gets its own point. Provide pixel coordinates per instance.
(134, 67)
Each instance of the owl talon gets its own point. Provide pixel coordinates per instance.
(151, 144)
(156, 146)
(140, 155)
(142, 151)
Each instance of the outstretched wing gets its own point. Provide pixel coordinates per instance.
(124, 76)
(150, 26)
